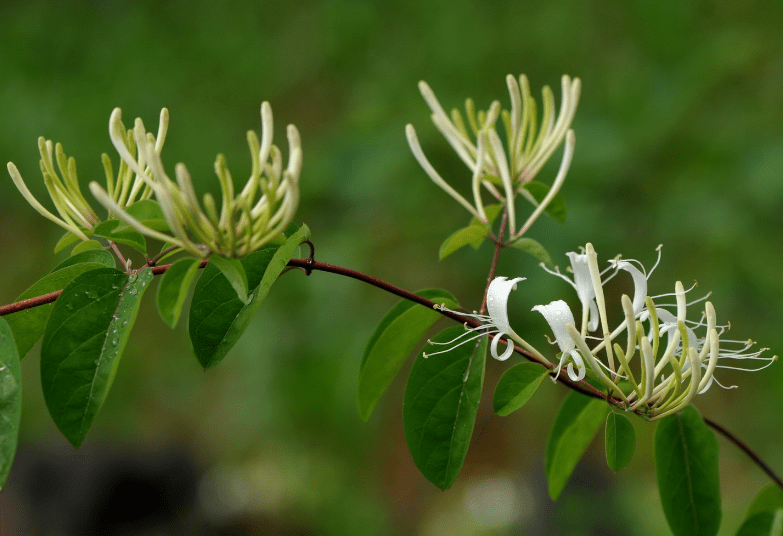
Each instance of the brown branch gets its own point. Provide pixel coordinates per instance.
(309, 265)
(746, 449)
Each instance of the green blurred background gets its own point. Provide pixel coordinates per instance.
(679, 141)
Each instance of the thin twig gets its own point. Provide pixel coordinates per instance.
(494, 265)
(746, 449)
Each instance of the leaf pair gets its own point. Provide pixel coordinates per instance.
(218, 315)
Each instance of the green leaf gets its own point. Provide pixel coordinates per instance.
(576, 423)
(121, 235)
(217, 316)
(85, 246)
(28, 325)
(528, 245)
(233, 271)
(10, 400)
(149, 214)
(173, 289)
(620, 441)
(491, 211)
(91, 255)
(686, 465)
(69, 238)
(556, 208)
(768, 500)
(439, 409)
(83, 342)
(392, 342)
(516, 386)
(763, 524)
(472, 234)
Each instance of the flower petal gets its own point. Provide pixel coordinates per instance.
(497, 301)
(559, 315)
(639, 284)
(494, 348)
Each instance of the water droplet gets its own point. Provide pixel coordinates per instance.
(132, 278)
(114, 330)
(125, 323)
(91, 294)
(69, 306)
(115, 341)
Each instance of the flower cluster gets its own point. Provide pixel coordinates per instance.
(76, 214)
(504, 171)
(246, 220)
(675, 362)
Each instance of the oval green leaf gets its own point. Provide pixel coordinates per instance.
(439, 409)
(516, 386)
(768, 500)
(91, 255)
(392, 342)
(233, 271)
(528, 245)
(83, 342)
(10, 400)
(763, 524)
(28, 325)
(491, 211)
(620, 441)
(173, 289)
(149, 214)
(556, 208)
(85, 246)
(217, 316)
(121, 234)
(686, 466)
(576, 423)
(68, 239)
(472, 234)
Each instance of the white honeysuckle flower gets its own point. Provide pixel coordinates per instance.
(558, 315)
(492, 164)
(494, 323)
(583, 285)
(244, 223)
(640, 278)
(671, 371)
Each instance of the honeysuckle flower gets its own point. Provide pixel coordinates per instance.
(511, 166)
(671, 371)
(495, 323)
(245, 222)
(583, 284)
(76, 214)
(558, 315)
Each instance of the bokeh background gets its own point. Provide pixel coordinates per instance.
(679, 141)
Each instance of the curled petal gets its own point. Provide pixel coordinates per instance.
(639, 285)
(494, 348)
(583, 284)
(497, 301)
(558, 315)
